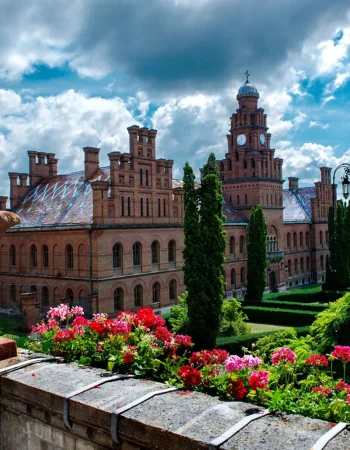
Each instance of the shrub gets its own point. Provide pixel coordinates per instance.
(277, 316)
(289, 305)
(267, 344)
(331, 326)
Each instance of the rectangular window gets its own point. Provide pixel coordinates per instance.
(122, 206)
(129, 206)
(164, 207)
(237, 199)
(147, 207)
(141, 207)
(146, 177)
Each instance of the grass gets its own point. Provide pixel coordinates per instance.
(20, 340)
(262, 327)
(301, 290)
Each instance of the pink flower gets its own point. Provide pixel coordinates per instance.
(39, 328)
(60, 312)
(183, 340)
(349, 398)
(251, 361)
(342, 385)
(233, 363)
(101, 317)
(100, 347)
(77, 311)
(284, 355)
(342, 352)
(259, 379)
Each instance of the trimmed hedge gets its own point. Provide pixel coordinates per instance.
(307, 297)
(317, 307)
(277, 316)
(234, 344)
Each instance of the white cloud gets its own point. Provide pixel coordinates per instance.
(316, 123)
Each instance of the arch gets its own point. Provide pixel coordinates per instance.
(172, 251)
(33, 255)
(301, 239)
(118, 299)
(33, 289)
(307, 262)
(45, 296)
(241, 244)
(242, 276)
(56, 296)
(83, 293)
(69, 257)
(289, 267)
(232, 245)
(233, 278)
(322, 262)
(137, 254)
(56, 257)
(156, 292)
(44, 256)
(288, 240)
(70, 295)
(302, 264)
(295, 241)
(307, 239)
(12, 255)
(155, 252)
(117, 255)
(172, 289)
(138, 296)
(296, 265)
(12, 293)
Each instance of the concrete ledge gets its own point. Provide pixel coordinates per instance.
(8, 349)
(31, 405)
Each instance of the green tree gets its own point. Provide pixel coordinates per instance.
(341, 245)
(256, 249)
(204, 253)
(330, 259)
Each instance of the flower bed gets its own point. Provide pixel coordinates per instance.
(141, 344)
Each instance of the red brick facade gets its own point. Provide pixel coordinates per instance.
(114, 235)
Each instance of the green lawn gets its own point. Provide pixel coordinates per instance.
(301, 290)
(20, 340)
(261, 327)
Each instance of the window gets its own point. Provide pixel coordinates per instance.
(307, 242)
(164, 208)
(147, 207)
(172, 290)
(307, 263)
(118, 297)
(232, 245)
(33, 289)
(237, 199)
(44, 256)
(12, 293)
(242, 276)
(233, 278)
(45, 296)
(321, 262)
(12, 256)
(141, 177)
(246, 199)
(69, 295)
(159, 207)
(69, 257)
(141, 207)
(156, 292)
(302, 264)
(122, 206)
(295, 242)
(327, 237)
(138, 296)
(117, 256)
(136, 254)
(129, 208)
(245, 164)
(288, 240)
(33, 256)
(241, 244)
(301, 239)
(172, 251)
(289, 267)
(146, 177)
(155, 252)
(321, 238)
(296, 266)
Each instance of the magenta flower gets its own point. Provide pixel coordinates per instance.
(77, 311)
(259, 379)
(284, 355)
(342, 352)
(250, 361)
(233, 363)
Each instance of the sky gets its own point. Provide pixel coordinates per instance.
(76, 73)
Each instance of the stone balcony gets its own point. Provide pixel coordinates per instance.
(275, 256)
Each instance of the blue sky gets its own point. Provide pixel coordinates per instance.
(78, 72)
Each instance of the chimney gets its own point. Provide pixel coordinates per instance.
(325, 175)
(91, 161)
(3, 201)
(114, 158)
(293, 183)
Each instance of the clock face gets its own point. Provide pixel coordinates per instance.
(241, 139)
(262, 139)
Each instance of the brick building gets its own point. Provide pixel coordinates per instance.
(112, 236)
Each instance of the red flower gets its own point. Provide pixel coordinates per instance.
(237, 389)
(128, 358)
(322, 390)
(207, 357)
(342, 352)
(190, 375)
(259, 379)
(163, 334)
(96, 326)
(184, 340)
(149, 319)
(317, 361)
(342, 385)
(64, 336)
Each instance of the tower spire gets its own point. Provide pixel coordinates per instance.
(247, 74)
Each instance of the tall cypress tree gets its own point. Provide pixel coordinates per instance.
(330, 259)
(341, 256)
(256, 249)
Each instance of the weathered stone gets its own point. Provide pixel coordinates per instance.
(8, 349)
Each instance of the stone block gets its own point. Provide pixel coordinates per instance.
(8, 349)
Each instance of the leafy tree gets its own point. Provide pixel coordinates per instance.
(341, 245)
(256, 249)
(330, 259)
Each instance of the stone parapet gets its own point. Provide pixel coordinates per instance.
(32, 416)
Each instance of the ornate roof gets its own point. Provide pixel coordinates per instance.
(247, 90)
(297, 204)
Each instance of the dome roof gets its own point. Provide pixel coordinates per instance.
(247, 90)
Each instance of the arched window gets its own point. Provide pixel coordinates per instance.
(147, 207)
(233, 278)
(117, 256)
(289, 267)
(146, 177)
(33, 256)
(232, 245)
(288, 240)
(129, 207)
(327, 237)
(118, 299)
(301, 239)
(156, 292)
(12, 256)
(245, 164)
(246, 199)
(141, 207)
(122, 206)
(159, 207)
(136, 254)
(33, 289)
(138, 296)
(321, 261)
(12, 293)
(45, 256)
(45, 296)
(69, 257)
(172, 251)
(302, 264)
(155, 252)
(242, 276)
(307, 263)
(237, 199)
(241, 244)
(307, 240)
(172, 290)
(141, 177)
(321, 238)
(296, 266)
(295, 242)
(164, 208)
(69, 295)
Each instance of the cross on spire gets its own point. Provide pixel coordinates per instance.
(247, 74)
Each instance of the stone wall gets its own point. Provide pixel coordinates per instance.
(31, 411)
